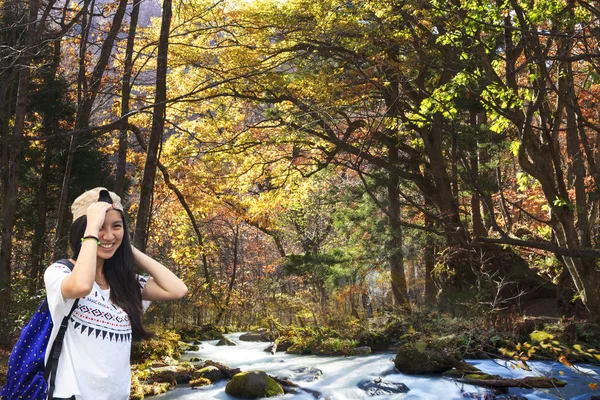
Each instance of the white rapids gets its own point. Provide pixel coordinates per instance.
(341, 376)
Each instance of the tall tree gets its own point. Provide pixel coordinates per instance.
(125, 97)
(156, 134)
(88, 94)
(10, 190)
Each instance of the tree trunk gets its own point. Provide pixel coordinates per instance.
(429, 260)
(366, 303)
(11, 190)
(478, 227)
(50, 126)
(90, 92)
(39, 236)
(395, 256)
(223, 307)
(156, 134)
(476, 218)
(125, 95)
(60, 237)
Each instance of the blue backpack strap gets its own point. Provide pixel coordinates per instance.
(52, 365)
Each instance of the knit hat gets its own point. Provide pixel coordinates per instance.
(81, 204)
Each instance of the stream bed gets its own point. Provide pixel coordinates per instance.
(341, 376)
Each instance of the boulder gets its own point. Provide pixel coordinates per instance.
(303, 374)
(211, 373)
(271, 349)
(195, 334)
(427, 356)
(333, 347)
(261, 335)
(362, 350)
(379, 387)
(226, 342)
(200, 382)
(192, 347)
(172, 375)
(253, 384)
(284, 343)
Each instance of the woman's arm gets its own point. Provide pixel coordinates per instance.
(80, 282)
(163, 284)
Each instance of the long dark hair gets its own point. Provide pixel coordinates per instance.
(120, 275)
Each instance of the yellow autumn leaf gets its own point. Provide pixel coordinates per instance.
(593, 386)
(563, 360)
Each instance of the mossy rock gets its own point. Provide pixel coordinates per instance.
(261, 335)
(253, 384)
(195, 334)
(362, 351)
(333, 347)
(155, 388)
(395, 329)
(163, 345)
(453, 373)
(172, 375)
(283, 343)
(374, 340)
(298, 349)
(136, 392)
(211, 373)
(427, 356)
(200, 382)
(454, 272)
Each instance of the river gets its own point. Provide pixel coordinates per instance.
(341, 375)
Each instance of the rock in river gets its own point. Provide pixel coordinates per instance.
(253, 384)
(379, 387)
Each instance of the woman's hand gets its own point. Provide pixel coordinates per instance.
(163, 284)
(96, 213)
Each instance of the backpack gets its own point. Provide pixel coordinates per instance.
(27, 378)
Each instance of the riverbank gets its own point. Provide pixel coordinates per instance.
(522, 340)
(339, 377)
(412, 348)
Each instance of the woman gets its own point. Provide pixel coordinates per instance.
(94, 362)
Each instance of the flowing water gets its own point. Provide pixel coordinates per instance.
(341, 376)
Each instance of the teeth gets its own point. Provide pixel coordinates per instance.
(106, 246)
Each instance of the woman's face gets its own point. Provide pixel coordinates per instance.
(110, 235)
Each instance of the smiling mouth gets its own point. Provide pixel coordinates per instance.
(107, 246)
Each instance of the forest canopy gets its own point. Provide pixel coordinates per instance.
(310, 160)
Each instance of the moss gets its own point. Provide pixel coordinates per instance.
(164, 344)
(427, 356)
(195, 334)
(273, 388)
(333, 347)
(453, 373)
(211, 373)
(155, 388)
(480, 377)
(200, 382)
(136, 392)
(375, 340)
(253, 384)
